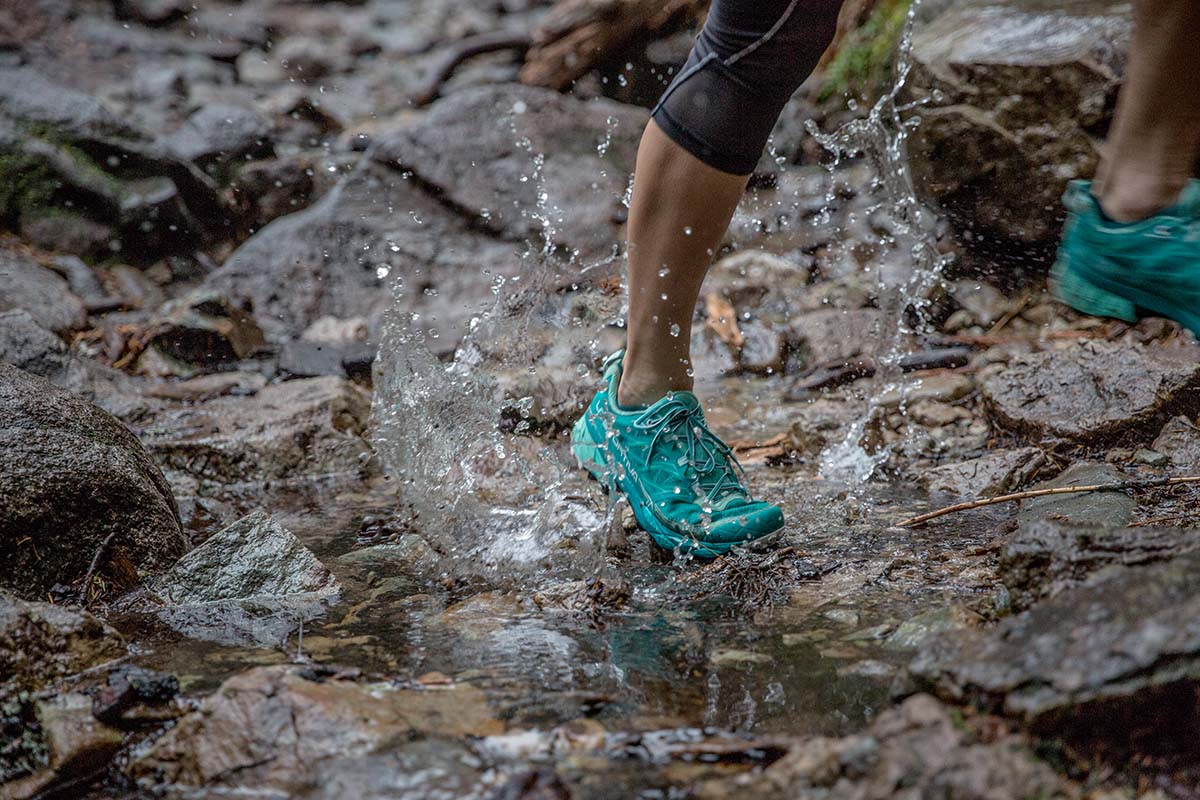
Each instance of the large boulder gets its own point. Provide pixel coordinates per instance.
(1117, 658)
(1094, 391)
(1021, 94)
(72, 478)
(544, 165)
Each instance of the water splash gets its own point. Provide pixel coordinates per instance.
(905, 286)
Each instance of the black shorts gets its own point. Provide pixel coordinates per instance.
(749, 59)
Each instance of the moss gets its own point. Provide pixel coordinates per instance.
(862, 65)
(25, 182)
(22, 748)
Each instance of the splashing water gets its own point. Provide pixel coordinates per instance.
(881, 138)
(493, 503)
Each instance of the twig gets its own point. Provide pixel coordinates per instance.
(91, 572)
(1007, 498)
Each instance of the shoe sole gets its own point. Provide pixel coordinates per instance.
(590, 457)
(1103, 298)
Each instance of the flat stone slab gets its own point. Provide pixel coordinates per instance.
(1047, 557)
(1093, 392)
(990, 475)
(1097, 509)
(1099, 660)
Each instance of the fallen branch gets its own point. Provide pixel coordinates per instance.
(91, 571)
(832, 374)
(1008, 498)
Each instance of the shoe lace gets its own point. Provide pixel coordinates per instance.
(677, 422)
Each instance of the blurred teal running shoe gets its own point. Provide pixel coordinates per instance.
(683, 483)
(1127, 270)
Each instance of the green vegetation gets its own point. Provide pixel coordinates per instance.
(25, 182)
(862, 65)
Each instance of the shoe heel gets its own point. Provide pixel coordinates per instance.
(1086, 297)
(586, 450)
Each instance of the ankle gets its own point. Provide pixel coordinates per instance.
(1133, 195)
(644, 387)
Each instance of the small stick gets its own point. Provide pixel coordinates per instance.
(1007, 498)
(91, 572)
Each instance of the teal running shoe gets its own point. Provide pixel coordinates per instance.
(1127, 270)
(683, 483)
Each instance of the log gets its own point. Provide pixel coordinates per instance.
(578, 34)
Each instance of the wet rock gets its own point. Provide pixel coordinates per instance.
(337, 331)
(1093, 391)
(221, 134)
(337, 258)
(71, 479)
(579, 154)
(834, 334)
(917, 749)
(275, 187)
(287, 431)
(983, 302)
(1114, 660)
(252, 582)
(1179, 441)
(65, 156)
(203, 329)
(303, 359)
(33, 288)
(1020, 92)
(913, 631)
(1045, 558)
(132, 695)
(943, 386)
(411, 554)
(586, 596)
(27, 345)
(77, 746)
(1108, 509)
(207, 387)
(276, 730)
(42, 643)
(83, 283)
(990, 475)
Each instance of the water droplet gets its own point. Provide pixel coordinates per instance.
(674, 328)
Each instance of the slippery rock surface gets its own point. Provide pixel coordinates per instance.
(1047, 557)
(1020, 90)
(544, 165)
(916, 750)
(340, 256)
(41, 643)
(275, 731)
(40, 292)
(990, 475)
(252, 582)
(71, 476)
(1092, 392)
(289, 430)
(1179, 441)
(1117, 658)
(76, 746)
(1104, 509)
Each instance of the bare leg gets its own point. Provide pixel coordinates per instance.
(679, 212)
(1155, 138)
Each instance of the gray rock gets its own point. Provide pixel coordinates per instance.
(919, 749)
(910, 633)
(42, 643)
(1179, 441)
(996, 473)
(46, 133)
(251, 583)
(71, 476)
(31, 287)
(27, 345)
(220, 134)
(1106, 509)
(77, 746)
(411, 554)
(1045, 558)
(1021, 89)
(1097, 661)
(588, 150)
(303, 359)
(339, 256)
(1093, 392)
(288, 431)
(834, 334)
